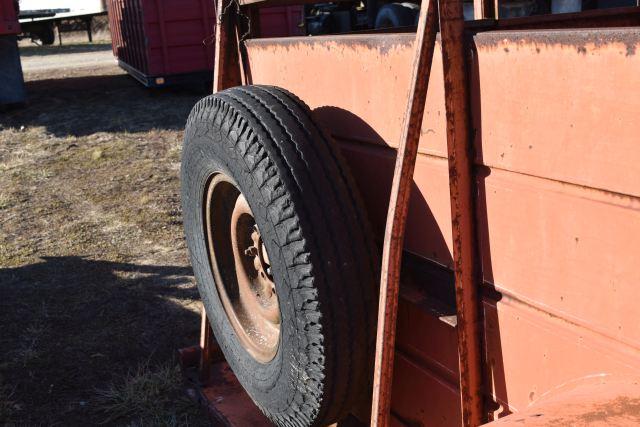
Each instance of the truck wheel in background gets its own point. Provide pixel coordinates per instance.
(47, 35)
(282, 253)
(397, 15)
(43, 31)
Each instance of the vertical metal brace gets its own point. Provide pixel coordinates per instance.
(461, 187)
(226, 74)
(207, 347)
(226, 68)
(248, 27)
(210, 351)
(397, 215)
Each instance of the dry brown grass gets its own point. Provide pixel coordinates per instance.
(96, 291)
(147, 396)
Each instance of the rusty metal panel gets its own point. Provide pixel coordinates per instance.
(421, 398)
(538, 249)
(532, 246)
(429, 217)
(373, 86)
(433, 345)
(600, 401)
(532, 356)
(558, 205)
(563, 249)
(558, 104)
(224, 399)
(536, 79)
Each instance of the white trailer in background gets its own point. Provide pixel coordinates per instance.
(39, 17)
(74, 7)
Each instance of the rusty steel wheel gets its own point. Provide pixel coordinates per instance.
(282, 254)
(249, 296)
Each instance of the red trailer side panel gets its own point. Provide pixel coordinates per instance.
(282, 21)
(163, 38)
(8, 18)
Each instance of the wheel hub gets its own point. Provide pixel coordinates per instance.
(248, 293)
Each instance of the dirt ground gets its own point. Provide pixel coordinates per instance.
(75, 52)
(73, 56)
(96, 291)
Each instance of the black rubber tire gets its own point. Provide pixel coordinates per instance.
(47, 35)
(397, 15)
(310, 216)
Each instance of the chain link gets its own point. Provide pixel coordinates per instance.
(219, 17)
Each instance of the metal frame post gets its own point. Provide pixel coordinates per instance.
(461, 187)
(460, 160)
(397, 215)
(226, 70)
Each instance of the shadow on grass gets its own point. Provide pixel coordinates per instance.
(35, 50)
(72, 326)
(80, 106)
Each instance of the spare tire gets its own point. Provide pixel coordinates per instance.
(282, 253)
(397, 15)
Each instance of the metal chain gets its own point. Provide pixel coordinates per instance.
(226, 8)
(244, 36)
(219, 17)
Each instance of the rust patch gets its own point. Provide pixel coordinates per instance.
(577, 39)
(381, 42)
(623, 406)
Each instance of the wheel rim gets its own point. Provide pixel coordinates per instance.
(241, 269)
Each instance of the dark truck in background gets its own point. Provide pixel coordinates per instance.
(352, 16)
(343, 17)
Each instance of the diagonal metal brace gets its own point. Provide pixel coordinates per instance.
(397, 215)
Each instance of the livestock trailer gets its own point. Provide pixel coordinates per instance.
(11, 79)
(172, 41)
(431, 227)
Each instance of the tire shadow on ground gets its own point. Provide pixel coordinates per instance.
(71, 325)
